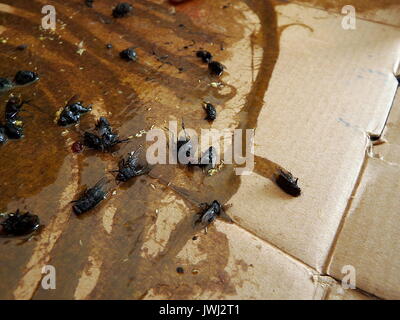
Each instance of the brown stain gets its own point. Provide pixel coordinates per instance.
(104, 74)
(265, 167)
(209, 277)
(242, 264)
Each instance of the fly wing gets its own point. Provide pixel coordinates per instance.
(98, 189)
(134, 157)
(103, 126)
(101, 183)
(224, 216)
(205, 218)
(208, 217)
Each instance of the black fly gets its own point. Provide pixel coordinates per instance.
(13, 127)
(105, 139)
(72, 112)
(128, 54)
(121, 10)
(184, 147)
(216, 68)
(207, 161)
(90, 198)
(19, 224)
(205, 56)
(89, 3)
(22, 47)
(13, 107)
(3, 135)
(21, 78)
(130, 167)
(288, 183)
(25, 77)
(5, 84)
(211, 112)
(210, 213)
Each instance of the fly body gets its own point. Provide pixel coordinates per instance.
(90, 198)
(129, 168)
(19, 224)
(105, 138)
(72, 112)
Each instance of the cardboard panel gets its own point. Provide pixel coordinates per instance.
(329, 88)
(370, 237)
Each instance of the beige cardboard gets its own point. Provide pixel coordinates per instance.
(370, 237)
(329, 89)
(254, 270)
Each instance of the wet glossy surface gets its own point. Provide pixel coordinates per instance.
(41, 174)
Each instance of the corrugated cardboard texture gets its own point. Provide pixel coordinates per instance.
(370, 238)
(330, 88)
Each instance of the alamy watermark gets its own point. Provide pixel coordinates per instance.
(185, 147)
(49, 20)
(49, 278)
(349, 278)
(349, 20)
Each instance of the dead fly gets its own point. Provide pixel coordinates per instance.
(72, 112)
(21, 47)
(3, 136)
(91, 197)
(130, 167)
(209, 214)
(13, 107)
(288, 183)
(210, 110)
(216, 68)
(14, 129)
(19, 224)
(128, 54)
(5, 85)
(25, 77)
(208, 161)
(184, 147)
(106, 138)
(121, 10)
(89, 3)
(205, 56)
(21, 78)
